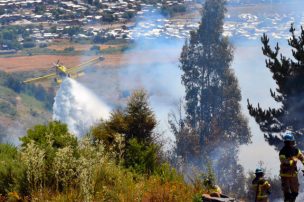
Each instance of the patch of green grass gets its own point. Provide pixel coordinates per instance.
(31, 103)
(7, 102)
(6, 92)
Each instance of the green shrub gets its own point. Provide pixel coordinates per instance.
(29, 44)
(50, 138)
(95, 49)
(69, 49)
(64, 168)
(54, 133)
(91, 157)
(167, 173)
(33, 159)
(140, 157)
(11, 170)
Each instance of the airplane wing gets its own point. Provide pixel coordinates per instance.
(81, 66)
(40, 78)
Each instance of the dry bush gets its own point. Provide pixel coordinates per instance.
(33, 159)
(64, 167)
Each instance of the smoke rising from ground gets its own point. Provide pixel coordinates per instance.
(78, 107)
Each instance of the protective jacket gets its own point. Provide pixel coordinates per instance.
(215, 191)
(261, 188)
(288, 158)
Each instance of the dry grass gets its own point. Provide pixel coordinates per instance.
(80, 47)
(44, 62)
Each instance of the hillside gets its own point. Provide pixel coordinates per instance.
(19, 108)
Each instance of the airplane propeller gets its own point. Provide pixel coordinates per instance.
(56, 64)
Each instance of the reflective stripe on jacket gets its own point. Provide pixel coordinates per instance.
(262, 188)
(215, 189)
(289, 157)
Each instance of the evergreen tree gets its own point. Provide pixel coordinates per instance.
(136, 124)
(140, 118)
(213, 115)
(288, 74)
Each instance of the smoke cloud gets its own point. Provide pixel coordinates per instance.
(151, 64)
(78, 107)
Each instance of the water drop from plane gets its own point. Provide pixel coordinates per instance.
(78, 107)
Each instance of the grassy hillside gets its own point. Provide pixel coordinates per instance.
(119, 160)
(19, 108)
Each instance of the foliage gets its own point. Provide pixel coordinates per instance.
(139, 118)
(54, 132)
(203, 180)
(84, 170)
(108, 17)
(33, 159)
(14, 82)
(29, 44)
(3, 133)
(91, 157)
(57, 13)
(40, 9)
(288, 74)
(140, 157)
(50, 138)
(213, 119)
(109, 132)
(43, 45)
(9, 36)
(128, 15)
(64, 167)
(173, 9)
(95, 49)
(114, 183)
(11, 170)
(136, 124)
(101, 38)
(72, 31)
(69, 49)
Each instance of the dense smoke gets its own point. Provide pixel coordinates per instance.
(78, 107)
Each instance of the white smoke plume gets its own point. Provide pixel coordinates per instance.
(161, 77)
(78, 107)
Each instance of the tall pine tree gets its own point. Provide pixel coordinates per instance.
(214, 125)
(289, 76)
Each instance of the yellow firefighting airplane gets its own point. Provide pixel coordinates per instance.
(62, 72)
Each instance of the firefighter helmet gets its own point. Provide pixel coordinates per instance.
(289, 137)
(259, 171)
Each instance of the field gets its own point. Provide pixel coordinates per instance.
(80, 47)
(44, 62)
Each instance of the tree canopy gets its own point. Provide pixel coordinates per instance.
(288, 74)
(213, 120)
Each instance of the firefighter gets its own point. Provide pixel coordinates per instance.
(289, 155)
(213, 189)
(261, 186)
